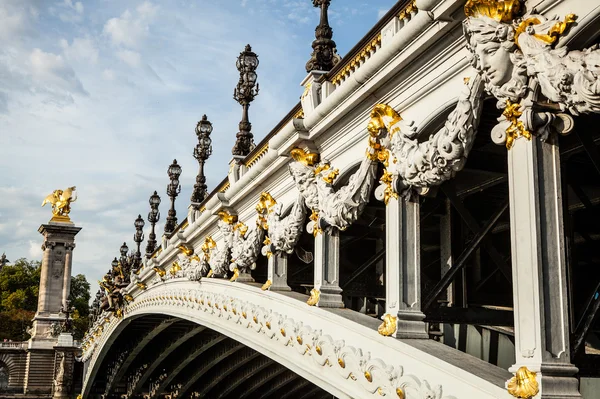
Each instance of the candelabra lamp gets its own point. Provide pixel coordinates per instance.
(138, 237)
(173, 190)
(153, 218)
(202, 151)
(244, 93)
(324, 55)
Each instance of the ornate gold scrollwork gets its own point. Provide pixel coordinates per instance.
(207, 246)
(306, 158)
(175, 267)
(266, 285)
(314, 297)
(501, 11)
(388, 327)
(236, 274)
(188, 251)
(524, 384)
(516, 129)
(263, 208)
(227, 217)
(159, 271)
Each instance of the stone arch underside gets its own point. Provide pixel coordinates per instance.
(232, 336)
(14, 365)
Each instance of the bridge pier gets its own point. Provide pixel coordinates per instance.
(403, 268)
(539, 266)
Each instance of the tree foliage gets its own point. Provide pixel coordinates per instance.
(19, 289)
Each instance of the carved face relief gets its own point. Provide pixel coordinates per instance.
(495, 63)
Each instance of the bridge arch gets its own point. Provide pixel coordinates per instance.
(341, 356)
(8, 362)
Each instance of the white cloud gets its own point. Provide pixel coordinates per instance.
(82, 49)
(130, 30)
(51, 70)
(35, 250)
(15, 19)
(108, 74)
(129, 57)
(72, 12)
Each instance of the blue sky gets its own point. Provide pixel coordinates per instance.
(105, 94)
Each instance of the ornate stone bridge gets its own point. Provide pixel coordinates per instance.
(357, 253)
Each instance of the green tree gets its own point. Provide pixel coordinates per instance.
(19, 288)
(80, 298)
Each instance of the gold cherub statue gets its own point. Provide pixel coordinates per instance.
(61, 203)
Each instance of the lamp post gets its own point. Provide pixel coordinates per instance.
(202, 151)
(324, 55)
(173, 190)
(138, 237)
(153, 218)
(244, 93)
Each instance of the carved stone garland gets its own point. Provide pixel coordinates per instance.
(284, 232)
(221, 257)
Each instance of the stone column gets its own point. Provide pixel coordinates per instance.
(277, 272)
(67, 275)
(327, 268)
(539, 266)
(403, 268)
(48, 247)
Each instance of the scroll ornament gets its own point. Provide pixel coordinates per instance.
(220, 258)
(247, 245)
(331, 207)
(284, 232)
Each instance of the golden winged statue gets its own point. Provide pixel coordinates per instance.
(61, 203)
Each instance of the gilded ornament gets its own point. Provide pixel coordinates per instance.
(243, 229)
(388, 327)
(267, 242)
(186, 250)
(299, 114)
(210, 273)
(174, 268)
(382, 118)
(368, 376)
(266, 285)
(282, 331)
(314, 216)
(354, 63)
(314, 297)
(380, 391)
(516, 129)
(499, 10)
(299, 340)
(318, 350)
(244, 315)
(341, 362)
(141, 286)
(255, 320)
(61, 204)
(556, 30)
(227, 217)
(236, 274)
(306, 91)
(352, 377)
(524, 384)
(306, 158)
(400, 393)
(388, 192)
(159, 271)
(268, 325)
(128, 297)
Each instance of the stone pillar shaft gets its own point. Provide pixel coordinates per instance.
(403, 268)
(67, 273)
(43, 291)
(327, 268)
(277, 272)
(539, 266)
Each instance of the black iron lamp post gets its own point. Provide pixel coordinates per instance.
(202, 151)
(173, 190)
(153, 218)
(244, 93)
(138, 237)
(324, 55)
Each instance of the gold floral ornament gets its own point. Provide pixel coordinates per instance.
(243, 229)
(314, 297)
(264, 207)
(499, 10)
(516, 129)
(61, 204)
(267, 243)
(236, 274)
(524, 384)
(207, 246)
(314, 216)
(159, 271)
(388, 327)
(306, 158)
(187, 251)
(227, 217)
(266, 286)
(555, 31)
(175, 267)
(331, 176)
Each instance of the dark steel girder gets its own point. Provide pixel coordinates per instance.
(272, 372)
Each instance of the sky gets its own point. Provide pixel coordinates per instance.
(104, 94)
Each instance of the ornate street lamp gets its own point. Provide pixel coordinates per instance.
(244, 93)
(123, 250)
(138, 237)
(324, 55)
(153, 218)
(173, 190)
(202, 151)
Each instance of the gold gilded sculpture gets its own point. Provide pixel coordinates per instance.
(304, 157)
(523, 384)
(208, 245)
(266, 286)
(382, 117)
(61, 204)
(388, 327)
(499, 10)
(314, 297)
(227, 217)
(264, 207)
(236, 274)
(188, 251)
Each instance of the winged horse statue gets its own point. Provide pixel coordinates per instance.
(61, 202)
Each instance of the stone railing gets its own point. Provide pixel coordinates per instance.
(13, 345)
